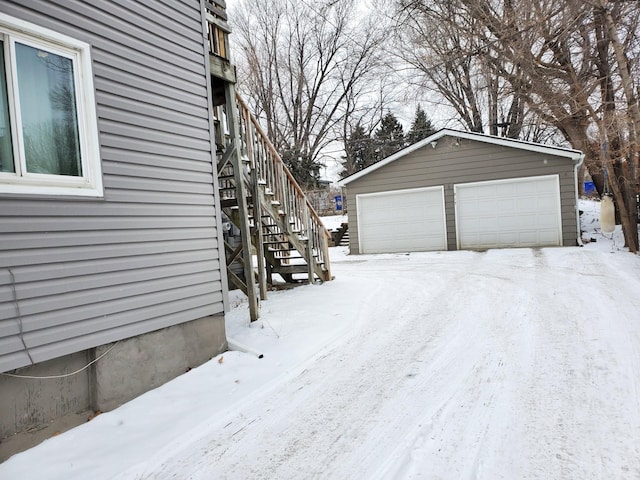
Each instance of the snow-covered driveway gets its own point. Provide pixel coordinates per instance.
(504, 364)
(456, 365)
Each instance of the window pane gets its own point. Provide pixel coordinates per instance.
(48, 111)
(6, 150)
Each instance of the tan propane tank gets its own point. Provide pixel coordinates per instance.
(607, 215)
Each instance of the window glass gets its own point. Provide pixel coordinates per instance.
(6, 149)
(48, 112)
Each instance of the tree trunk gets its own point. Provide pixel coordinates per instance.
(624, 184)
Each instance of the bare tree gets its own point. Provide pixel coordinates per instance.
(304, 65)
(570, 64)
(365, 109)
(573, 82)
(448, 56)
(621, 164)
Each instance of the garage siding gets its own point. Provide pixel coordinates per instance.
(470, 161)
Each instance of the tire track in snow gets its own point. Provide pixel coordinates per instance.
(451, 442)
(504, 390)
(449, 364)
(343, 410)
(572, 365)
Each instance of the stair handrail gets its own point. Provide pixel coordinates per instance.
(318, 236)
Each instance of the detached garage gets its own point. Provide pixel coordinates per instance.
(462, 190)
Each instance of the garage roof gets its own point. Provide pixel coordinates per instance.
(575, 155)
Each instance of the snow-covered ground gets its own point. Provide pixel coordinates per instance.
(334, 222)
(515, 363)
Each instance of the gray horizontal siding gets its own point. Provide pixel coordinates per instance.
(471, 161)
(133, 196)
(78, 253)
(128, 144)
(154, 172)
(103, 303)
(38, 224)
(157, 185)
(78, 306)
(123, 83)
(20, 208)
(111, 156)
(134, 322)
(120, 128)
(17, 241)
(124, 36)
(149, 25)
(34, 289)
(84, 272)
(109, 266)
(147, 104)
(139, 119)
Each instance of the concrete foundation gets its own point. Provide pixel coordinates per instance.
(32, 410)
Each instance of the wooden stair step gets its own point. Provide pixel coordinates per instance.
(289, 269)
(229, 203)
(344, 241)
(298, 257)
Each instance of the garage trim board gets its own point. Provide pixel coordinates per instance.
(515, 212)
(410, 220)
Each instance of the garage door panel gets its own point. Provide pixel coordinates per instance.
(516, 213)
(528, 239)
(547, 238)
(402, 221)
(548, 203)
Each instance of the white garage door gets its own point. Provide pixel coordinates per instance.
(402, 221)
(522, 212)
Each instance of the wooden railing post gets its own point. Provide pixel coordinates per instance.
(284, 196)
(310, 258)
(243, 207)
(256, 193)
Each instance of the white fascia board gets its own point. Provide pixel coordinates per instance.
(574, 155)
(521, 144)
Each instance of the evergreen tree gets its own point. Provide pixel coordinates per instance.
(420, 128)
(389, 137)
(304, 169)
(359, 151)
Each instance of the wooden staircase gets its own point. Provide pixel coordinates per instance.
(263, 202)
(267, 214)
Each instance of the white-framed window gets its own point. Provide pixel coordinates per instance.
(48, 125)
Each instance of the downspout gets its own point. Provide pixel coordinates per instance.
(241, 347)
(578, 164)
